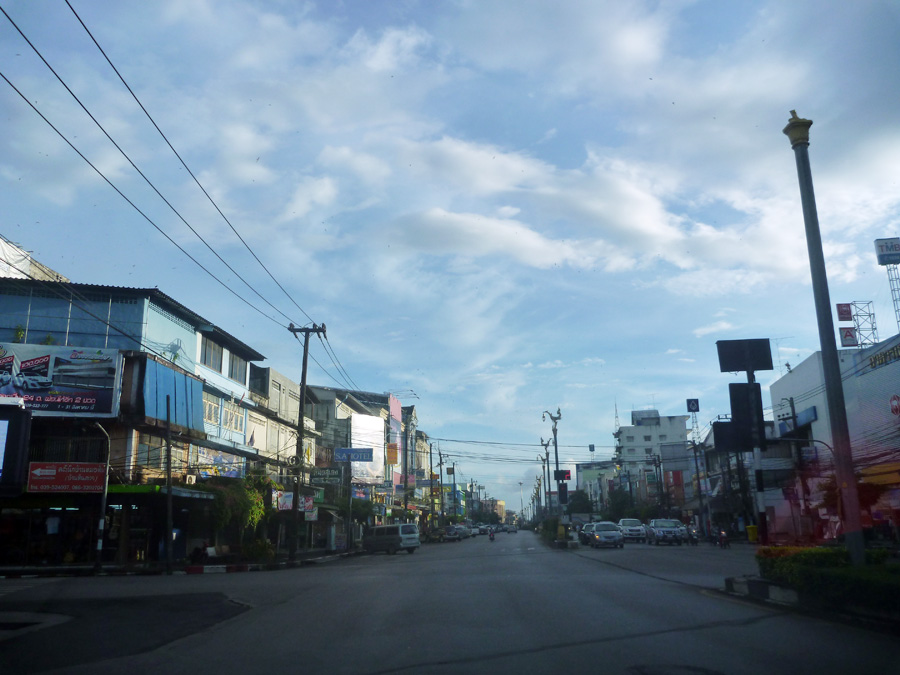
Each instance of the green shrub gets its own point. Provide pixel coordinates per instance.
(872, 587)
(260, 550)
(825, 576)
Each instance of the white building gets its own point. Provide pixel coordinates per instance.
(639, 450)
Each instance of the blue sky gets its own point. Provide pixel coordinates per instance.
(503, 207)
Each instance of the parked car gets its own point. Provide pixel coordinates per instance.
(584, 534)
(392, 538)
(632, 529)
(664, 530)
(435, 535)
(451, 533)
(511, 528)
(463, 531)
(606, 534)
(483, 529)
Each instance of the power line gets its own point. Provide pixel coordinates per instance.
(184, 164)
(133, 205)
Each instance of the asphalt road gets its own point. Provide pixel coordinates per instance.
(508, 606)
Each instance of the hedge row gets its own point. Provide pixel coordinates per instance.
(825, 576)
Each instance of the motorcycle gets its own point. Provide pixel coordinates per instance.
(723, 539)
(492, 535)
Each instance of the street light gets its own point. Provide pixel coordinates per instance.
(555, 419)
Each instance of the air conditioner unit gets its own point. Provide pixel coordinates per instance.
(190, 479)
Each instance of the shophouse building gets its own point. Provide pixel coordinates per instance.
(126, 374)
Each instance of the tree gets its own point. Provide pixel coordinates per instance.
(869, 494)
(579, 502)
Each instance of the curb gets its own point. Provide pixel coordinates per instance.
(769, 592)
(88, 571)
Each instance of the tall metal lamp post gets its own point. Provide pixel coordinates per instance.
(797, 130)
(555, 419)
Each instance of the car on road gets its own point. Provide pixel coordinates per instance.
(632, 529)
(606, 533)
(512, 528)
(483, 529)
(584, 534)
(664, 530)
(392, 538)
(463, 531)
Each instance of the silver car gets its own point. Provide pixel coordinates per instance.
(606, 534)
(632, 529)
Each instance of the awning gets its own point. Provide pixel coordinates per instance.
(159, 489)
(881, 474)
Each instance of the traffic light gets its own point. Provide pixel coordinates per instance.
(563, 493)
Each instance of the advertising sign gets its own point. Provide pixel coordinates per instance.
(391, 453)
(888, 251)
(326, 476)
(354, 454)
(848, 337)
(53, 380)
(66, 476)
(844, 311)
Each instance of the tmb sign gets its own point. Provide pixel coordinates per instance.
(354, 454)
(66, 477)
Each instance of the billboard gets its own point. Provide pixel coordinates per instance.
(54, 380)
(367, 431)
(888, 251)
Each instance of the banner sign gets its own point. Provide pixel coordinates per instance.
(51, 380)
(311, 515)
(424, 483)
(327, 476)
(354, 454)
(392, 453)
(361, 493)
(66, 476)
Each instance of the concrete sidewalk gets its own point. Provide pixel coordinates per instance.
(308, 557)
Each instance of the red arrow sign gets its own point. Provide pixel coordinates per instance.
(66, 477)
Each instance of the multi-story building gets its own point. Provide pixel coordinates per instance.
(872, 402)
(126, 373)
(639, 452)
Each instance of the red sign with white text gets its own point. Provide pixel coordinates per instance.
(66, 477)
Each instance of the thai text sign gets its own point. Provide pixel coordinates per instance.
(51, 380)
(354, 454)
(329, 475)
(66, 477)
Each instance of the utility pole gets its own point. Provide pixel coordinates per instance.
(431, 484)
(797, 130)
(169, 526)
(298, 457)
(98, 563)
(442, 520)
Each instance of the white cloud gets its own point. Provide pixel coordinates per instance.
(309, 193)
(716, 327)
(441, 233)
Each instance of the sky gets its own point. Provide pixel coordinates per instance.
(496, 208)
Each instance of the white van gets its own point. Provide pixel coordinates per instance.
(392, 538)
